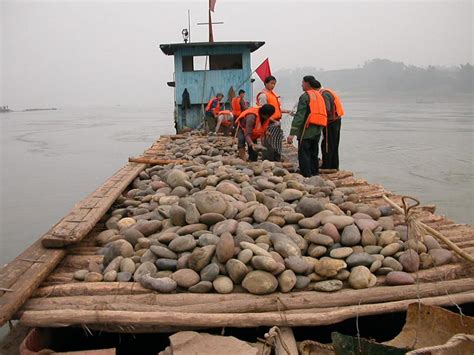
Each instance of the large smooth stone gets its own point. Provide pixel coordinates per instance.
(182, 243)
(309, 206)
(255, 249)
(201, 287)
(297, 264)
(358, 259)
(261, 213)
(341, 253)
(166, 264)
(441, 256)
(366, 224)
(368, 238)
(80, 274)
(93, 277)
(225, 247)
(191, 228)
(287, 248)
(177, 215)
(390, 249)
(328, 286)
(387, 237)
(371, 211)
(350, 235)
(316, 251)
(146, 267)
(236, 270)
(315, 237)
(162, 284)
(410, 260)
(127, 265)
(392, 263)
(200, 257)
(223, 284)
(229, 225)
(331, 230)
(386, 223)
(260, 283)
(210, 272)
(399, 278)
(338, 221)
(125, 223)
(207, 239)
(210, 201)
(430, 242)
(211, 218)
(162, 252)
(265, 263)
(287, 280)
(289, 195)
(185, 277)
(117, 248)
(177, 178)
(228, 188)
(131, 235)
(302, 282)
(192, 214)
(124, 276)
(328, 267)
(245, 255)
(361, 277)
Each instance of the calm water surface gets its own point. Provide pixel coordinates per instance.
(52, 159)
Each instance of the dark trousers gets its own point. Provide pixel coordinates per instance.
(308, 156)
(331, 136)
(241, 142)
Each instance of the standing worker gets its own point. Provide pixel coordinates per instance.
(238, 104)
(252, 124)
(212, 109)
(273, 142)
(307, 124)
(331, 133)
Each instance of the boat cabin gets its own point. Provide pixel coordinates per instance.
(203, 69)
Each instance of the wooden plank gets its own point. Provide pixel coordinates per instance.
(68, 235)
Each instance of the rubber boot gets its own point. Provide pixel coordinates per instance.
(242, 154)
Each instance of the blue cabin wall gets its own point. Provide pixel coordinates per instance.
(202, 85)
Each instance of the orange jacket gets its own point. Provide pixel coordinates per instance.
(226, 123)
(317, 108)
(209, 104)
(236, 109)
(338, 108)
(272, 99)
(259, 129)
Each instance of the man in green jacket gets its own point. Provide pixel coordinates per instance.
(308, 138)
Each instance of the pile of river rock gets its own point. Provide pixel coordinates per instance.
(208, 227)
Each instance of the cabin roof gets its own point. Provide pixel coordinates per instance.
(171, 48)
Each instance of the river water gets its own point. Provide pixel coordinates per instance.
(52, 159)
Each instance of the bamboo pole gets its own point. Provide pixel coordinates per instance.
(65, 317)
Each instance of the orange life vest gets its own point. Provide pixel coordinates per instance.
(209, 104)
(339, 109)
(317, 109)
(272, 99)
(236, 110)
(259, 129)
(226, 123)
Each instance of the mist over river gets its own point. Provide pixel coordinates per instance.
(52, 159)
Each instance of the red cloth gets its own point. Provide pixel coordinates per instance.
(212, 4)
(263, 70)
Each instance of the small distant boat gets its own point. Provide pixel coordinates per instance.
(4, 109)
(423, 101)
(40, 109)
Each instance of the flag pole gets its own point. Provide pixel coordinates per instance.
(211, 35)
(243, 82)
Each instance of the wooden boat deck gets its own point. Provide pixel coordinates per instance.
(38, 286)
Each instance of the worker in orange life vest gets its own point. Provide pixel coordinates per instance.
(308, 122)
(331, 133)
(225, 122)
(238, 104)
(252, 125)
(268, 96)
(212, 109)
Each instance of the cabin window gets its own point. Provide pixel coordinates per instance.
(214, 62)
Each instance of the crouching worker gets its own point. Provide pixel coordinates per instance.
(252, 125)
(212, 109)
(225, 121)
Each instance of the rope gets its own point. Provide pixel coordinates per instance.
(451, 343)
(419, 228)
(275, 334)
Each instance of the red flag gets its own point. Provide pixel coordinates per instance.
(263, 70)
(212, 4)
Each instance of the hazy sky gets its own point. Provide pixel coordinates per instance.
(78, 53)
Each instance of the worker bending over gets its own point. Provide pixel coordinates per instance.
(212, 109)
